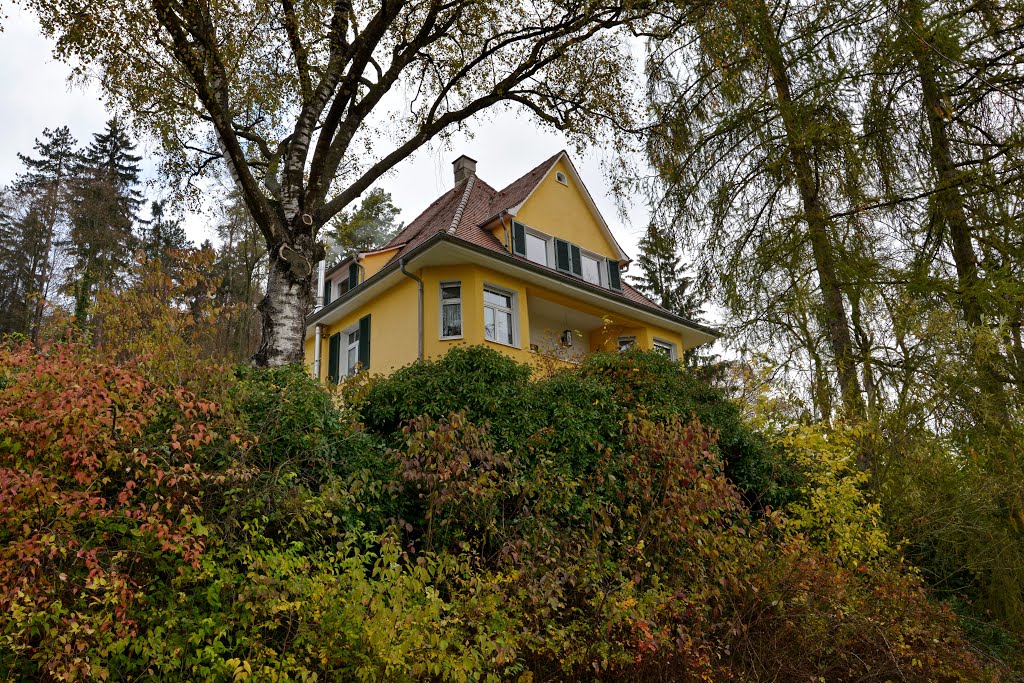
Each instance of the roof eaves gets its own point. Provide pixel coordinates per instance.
(508, 258)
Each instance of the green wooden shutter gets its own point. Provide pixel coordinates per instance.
(364, 342)
(353, 275)
(334, 358)
(327, 292)
(518, 238)
(577, 261)
(562, 255)
(614, 279)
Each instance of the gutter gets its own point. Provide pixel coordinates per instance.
(419, 306)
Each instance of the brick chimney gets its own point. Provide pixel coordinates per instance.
(464, 168)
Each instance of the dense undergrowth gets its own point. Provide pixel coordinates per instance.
(457, 521)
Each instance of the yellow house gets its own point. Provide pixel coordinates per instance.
(532, 271)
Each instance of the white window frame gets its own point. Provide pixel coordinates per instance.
(349, 345)
(561, 178)
(442, 302)
(630, 341)
(661, 344)
(601, 265)
(549, 247)
(513, 310)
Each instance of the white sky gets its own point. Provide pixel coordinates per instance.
(35, 94)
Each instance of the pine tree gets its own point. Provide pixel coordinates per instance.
(102, 239)
(664, 280)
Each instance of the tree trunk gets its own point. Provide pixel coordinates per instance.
(288, 301)
(948, 200)
(836, 320)
(950, 211)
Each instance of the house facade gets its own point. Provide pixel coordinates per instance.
(531, 270)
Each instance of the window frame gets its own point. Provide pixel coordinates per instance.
(350, 345)
(548, 241)
(631, 342)
(513, 311)
(598, 262)
(662, 344)
(442, 302)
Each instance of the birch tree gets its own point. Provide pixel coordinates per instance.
(309, 102)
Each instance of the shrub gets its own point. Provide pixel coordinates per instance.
(659, 388)
(487, 385)
(98, 495)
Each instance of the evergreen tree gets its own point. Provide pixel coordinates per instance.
(104, 215)
(42, 195)
(663, 279)
(369, 225)
(162, 234)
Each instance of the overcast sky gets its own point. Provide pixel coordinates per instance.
(35, 94)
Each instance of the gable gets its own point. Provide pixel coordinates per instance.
(567, 212)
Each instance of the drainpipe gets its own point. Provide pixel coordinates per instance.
(419, 307)
(321, 275)
(317, 343)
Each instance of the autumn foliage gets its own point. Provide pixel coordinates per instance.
(99, 491)
(269, 534)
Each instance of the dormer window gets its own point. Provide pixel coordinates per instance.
(560, 177)
(564, 256)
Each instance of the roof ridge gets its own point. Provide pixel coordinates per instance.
(457, 218)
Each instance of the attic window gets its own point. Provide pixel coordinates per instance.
(560, 177)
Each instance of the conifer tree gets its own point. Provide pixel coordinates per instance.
(105, 212)
(369, 225)
(755, 150)
(162, 233)
(663, 279)
(42, 193)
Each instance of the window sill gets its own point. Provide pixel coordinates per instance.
(450, 338)
(507, 346)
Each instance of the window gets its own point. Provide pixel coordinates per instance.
(349, 351)
(333, 358)
(591, 269)
(352, 352)
(560, 177)
(327, 292)
(626, 343)
(536, 249)
(498, 316)
(568, 258)
(451, 310)
(614, 280)
(667, 349)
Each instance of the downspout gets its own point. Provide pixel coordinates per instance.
(419, 307)
(321, 276)
(317, 343)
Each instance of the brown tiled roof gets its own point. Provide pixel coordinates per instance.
(481, 204)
